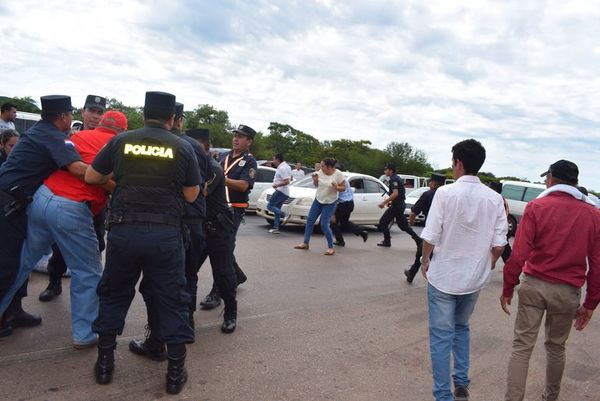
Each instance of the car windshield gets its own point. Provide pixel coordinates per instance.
(305, 182)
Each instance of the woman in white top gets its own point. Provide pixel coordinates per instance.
(329, 182)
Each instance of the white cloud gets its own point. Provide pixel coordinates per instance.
(521, 76)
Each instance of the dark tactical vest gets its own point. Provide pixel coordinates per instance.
(145, 171)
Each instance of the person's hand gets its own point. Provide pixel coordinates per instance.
(274, 186)
(334, 185)
(424, 266)
(582, 317)
(504, 302)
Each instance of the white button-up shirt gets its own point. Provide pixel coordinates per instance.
(466, 220)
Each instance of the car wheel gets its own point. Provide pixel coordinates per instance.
(512, 226)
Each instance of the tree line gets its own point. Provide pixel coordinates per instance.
(294, 144)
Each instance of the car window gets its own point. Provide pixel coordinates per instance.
(358, 185)
(265, 175)
(418, 192)
(305, 182)
(513, 192)
(531, 194)
(373, 187)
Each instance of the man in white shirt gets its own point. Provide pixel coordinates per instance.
(297, 172)
(8, 115)
(467, 226)
(281, 181)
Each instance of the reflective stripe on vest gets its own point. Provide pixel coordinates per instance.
(227, 168)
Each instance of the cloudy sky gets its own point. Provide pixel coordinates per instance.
(523, 77)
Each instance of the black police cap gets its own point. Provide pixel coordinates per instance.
(161, 102)
(199, 133)
(438, 177)
(178, 109)
(56, 103)
(390, 166)
(96, 102)
(245, 130)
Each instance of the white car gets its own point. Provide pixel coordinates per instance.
(264, 180)
(411, 199)
(368, 194)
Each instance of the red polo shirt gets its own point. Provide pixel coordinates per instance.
(555, 236)
(62, 183)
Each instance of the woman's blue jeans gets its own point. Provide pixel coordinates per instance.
(325, 210)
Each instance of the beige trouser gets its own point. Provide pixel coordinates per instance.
(560, 302)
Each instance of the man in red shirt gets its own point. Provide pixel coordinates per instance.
(558, 231)
(62, 212)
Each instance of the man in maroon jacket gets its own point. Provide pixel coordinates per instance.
(558, 231)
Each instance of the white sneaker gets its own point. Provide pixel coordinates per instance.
(274, 231)
(285, 219)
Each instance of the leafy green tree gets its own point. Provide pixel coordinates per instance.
(25, 103)
(217, 121)
(407, 159)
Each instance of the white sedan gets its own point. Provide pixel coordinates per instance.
(368, 193)
(411, 199)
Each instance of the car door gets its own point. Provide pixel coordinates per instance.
(264, 180)
(369, 200)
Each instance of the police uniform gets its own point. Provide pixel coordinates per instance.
(242, 167)
(151, 166)
(40, 151)
(396, 211)
(220, 240)
(422, 206)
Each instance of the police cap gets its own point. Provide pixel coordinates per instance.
(96, 102)
(437, 177)
(178, 109)
(245, 130)
(160, 102)
(390, 166)
(56, 104)
(199, 133)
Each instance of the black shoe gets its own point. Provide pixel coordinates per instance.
(339, 243)
(409, 276)
(105, 365)
(20, 318)
(461, 394)
(229, 317)
(385, 244)
(145, 348)
(176, 375)
(239, 274)
(5, 328)
(365, 235)
(211, 301)
(53, 289)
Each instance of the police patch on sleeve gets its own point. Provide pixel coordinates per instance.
(395, 185)
(252, 173)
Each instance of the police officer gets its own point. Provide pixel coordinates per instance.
(92, 111)
(422, 206)
(396, 205)
(41, 150)
(152, 347)
(155, 173)
(239, 167)
(220, 239)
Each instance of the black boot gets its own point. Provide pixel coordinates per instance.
(211, 301)
(105, 364)
(365, 235)
(17, 317)
(176, 372)
(386, 243)
(54, 288)
(229, 317)
(152, 347)
(239, 274)
(5, 328)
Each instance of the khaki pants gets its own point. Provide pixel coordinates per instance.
(559, 302)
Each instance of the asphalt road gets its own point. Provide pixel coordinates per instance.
(311, 327)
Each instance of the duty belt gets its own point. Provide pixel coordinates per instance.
(141, 218)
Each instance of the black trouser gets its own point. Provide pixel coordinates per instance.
(396, 212)
(342, 221)
(507, 249)
(219, 249)
(157, 251)
(57, 266)
(238, 216)
(12, 236)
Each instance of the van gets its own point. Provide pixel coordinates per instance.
(411, 182)
(25, 120)
(517, 195)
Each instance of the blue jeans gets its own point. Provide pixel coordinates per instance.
(274, 206)
(449, 334)
(70, 224)
(326, 210)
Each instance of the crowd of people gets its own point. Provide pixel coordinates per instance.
(168, 206)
